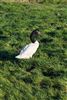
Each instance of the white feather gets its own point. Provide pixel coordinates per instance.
(28, 51)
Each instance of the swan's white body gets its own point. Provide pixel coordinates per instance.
(28, 51)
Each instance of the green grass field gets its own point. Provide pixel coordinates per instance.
(44, 76)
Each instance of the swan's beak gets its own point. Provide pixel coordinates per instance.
(39, 33)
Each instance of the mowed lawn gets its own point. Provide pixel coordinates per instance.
(44, 76)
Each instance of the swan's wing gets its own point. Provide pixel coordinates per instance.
(24, 49)
(28, 51)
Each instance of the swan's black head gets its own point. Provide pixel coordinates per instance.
(34, 35)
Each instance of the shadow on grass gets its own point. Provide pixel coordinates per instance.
(6, 55)
(2, 37)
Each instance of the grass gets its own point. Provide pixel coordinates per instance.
(43, 77)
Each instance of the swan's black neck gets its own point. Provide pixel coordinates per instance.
(34, 35)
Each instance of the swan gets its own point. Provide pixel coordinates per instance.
(29, 50)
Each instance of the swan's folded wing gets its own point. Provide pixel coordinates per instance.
(23, 50)
(28, 51)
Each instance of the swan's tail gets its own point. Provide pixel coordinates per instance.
(18, 57)
(23, 57)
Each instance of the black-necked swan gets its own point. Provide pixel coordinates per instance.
(28, 51)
